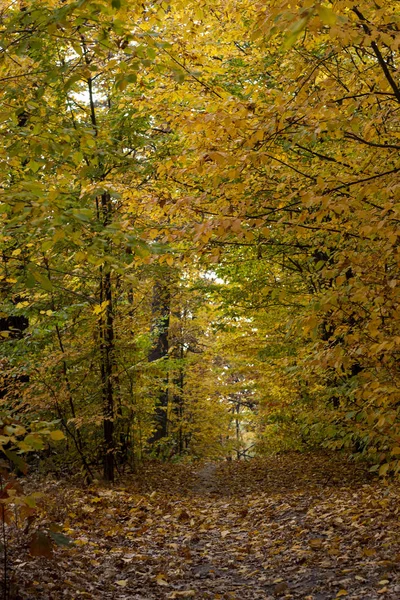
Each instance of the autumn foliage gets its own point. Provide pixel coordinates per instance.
(199, 243)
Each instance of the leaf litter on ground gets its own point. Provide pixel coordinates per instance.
(309, 526)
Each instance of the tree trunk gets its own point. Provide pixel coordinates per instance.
(178, 399)
(13, 327)
(161, 306)
(107, 354)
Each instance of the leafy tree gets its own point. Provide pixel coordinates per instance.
(255, 143)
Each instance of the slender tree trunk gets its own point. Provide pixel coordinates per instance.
(106, 320)
(237, 428)
(179, 404)
(76, 435)
(14, 326)
(107, 353)
(161, 306)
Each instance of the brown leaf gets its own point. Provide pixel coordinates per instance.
(316, 543)
(281, 588)
(40, 545)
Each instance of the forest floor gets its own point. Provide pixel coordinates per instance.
(306, 526)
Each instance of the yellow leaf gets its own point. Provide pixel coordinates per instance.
(160, 579)
(21, 304)
(383, 469)
(57, 435)
(122, 582)
(100, 308)
(341, 593)
(81, 542)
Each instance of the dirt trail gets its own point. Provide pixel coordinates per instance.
(294, 527)
(206, 479)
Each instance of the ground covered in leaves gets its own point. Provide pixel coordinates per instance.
(293, 526)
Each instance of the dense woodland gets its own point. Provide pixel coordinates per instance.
(199, 244)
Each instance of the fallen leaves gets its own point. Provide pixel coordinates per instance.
(241, 531)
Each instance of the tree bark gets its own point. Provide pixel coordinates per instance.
(161, 307)
(107, 354)
(14, 326)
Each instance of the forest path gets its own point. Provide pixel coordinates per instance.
(206, 481)
(309, 527)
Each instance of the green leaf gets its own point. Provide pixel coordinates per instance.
(34, 441)
(30, 501)
(179, 75)
(131, 78)
(77, 48)
(47, 245)
(83, 214)
(60, 539)
(34, 166)
(43, 281)
(296, 30)
(70, 82)
(30, 280)
(17, 460)
(77, 157)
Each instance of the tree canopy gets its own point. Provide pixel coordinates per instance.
(199, 243)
